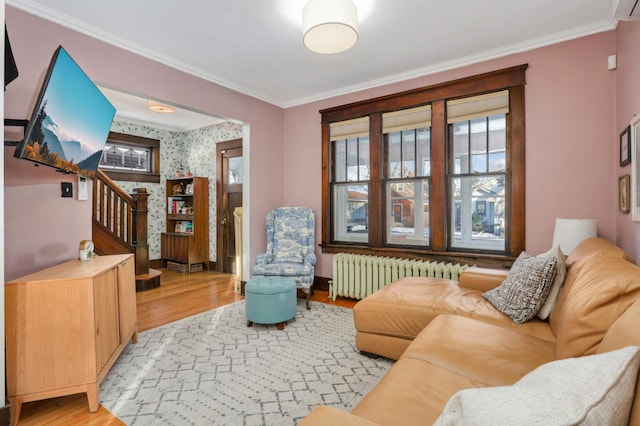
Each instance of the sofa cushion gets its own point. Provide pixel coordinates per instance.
(594, 247)
(524, 291)
(592, 390)
(413, 392)
(579, 259)
(401, 310)
(591, 300)
(405, 307)
(556, 286)
(486, 353)
(623, 332)
(380, 344)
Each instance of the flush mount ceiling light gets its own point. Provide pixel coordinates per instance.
(158, 107)
(329, 26)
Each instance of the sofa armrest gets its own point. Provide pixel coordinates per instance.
(325, 415)
(482, 279)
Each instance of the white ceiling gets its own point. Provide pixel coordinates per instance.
(255, 46)
(133, 109)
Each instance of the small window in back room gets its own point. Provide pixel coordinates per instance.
(131, 158)
(123, 157)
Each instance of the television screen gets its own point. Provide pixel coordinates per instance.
(70, 122)
(10, 67)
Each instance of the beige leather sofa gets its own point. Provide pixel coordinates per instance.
(446, 337)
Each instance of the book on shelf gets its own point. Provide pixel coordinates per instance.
(177, 207)
(184, 226)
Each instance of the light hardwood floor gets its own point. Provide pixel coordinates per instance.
(179, 296)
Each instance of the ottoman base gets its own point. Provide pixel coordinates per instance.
(270, 300)
(280, 325)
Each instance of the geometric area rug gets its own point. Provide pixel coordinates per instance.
(211, 369)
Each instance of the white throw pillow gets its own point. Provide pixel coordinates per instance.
(558, 282)
(590, 390)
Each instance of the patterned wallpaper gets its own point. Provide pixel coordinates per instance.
(193, 151)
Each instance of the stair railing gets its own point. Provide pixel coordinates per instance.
(123, 216)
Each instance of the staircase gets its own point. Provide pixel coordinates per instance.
(120, 226)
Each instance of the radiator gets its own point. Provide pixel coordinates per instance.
(356, 276)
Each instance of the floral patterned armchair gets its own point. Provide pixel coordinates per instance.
(290, 247)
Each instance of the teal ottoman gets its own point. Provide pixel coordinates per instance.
(270, 300)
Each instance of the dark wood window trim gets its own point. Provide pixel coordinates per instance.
(124, 139)
(512, 79)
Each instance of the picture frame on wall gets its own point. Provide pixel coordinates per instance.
(635, 173)
(624, 193)
(625, 146)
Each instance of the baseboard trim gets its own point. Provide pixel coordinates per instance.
(321, 283)
(157, 263)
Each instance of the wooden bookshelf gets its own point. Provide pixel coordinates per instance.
(186, 240)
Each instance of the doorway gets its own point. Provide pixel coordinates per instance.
(229, 179)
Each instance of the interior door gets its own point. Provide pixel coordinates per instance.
(229, 183)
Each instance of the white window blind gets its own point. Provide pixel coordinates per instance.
(477, 106)
(412, 118)
(355, 128)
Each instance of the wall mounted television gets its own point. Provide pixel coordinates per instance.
(70, 122)
(10, 67)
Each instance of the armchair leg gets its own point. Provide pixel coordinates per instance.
(308, 297)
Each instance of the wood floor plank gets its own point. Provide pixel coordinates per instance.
(179, 296)
(72, 410)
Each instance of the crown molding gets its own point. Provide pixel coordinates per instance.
(49, 14)
(462, 62)
(52, 15)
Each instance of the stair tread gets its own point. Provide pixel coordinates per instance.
(151, 274)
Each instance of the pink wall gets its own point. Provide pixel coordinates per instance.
(571, 132)
(42, 229)
(627, 106)
(569, 147)
(34, 41)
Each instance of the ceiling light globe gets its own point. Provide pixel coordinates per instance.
(160, 108)
(329, 26)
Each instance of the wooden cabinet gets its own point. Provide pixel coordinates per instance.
(66, 326)
(187, 238)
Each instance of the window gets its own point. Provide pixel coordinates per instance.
(131, 158)
(436, 171)
(124, 157)
(477, 133)
(407, 155)
(350, 181)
